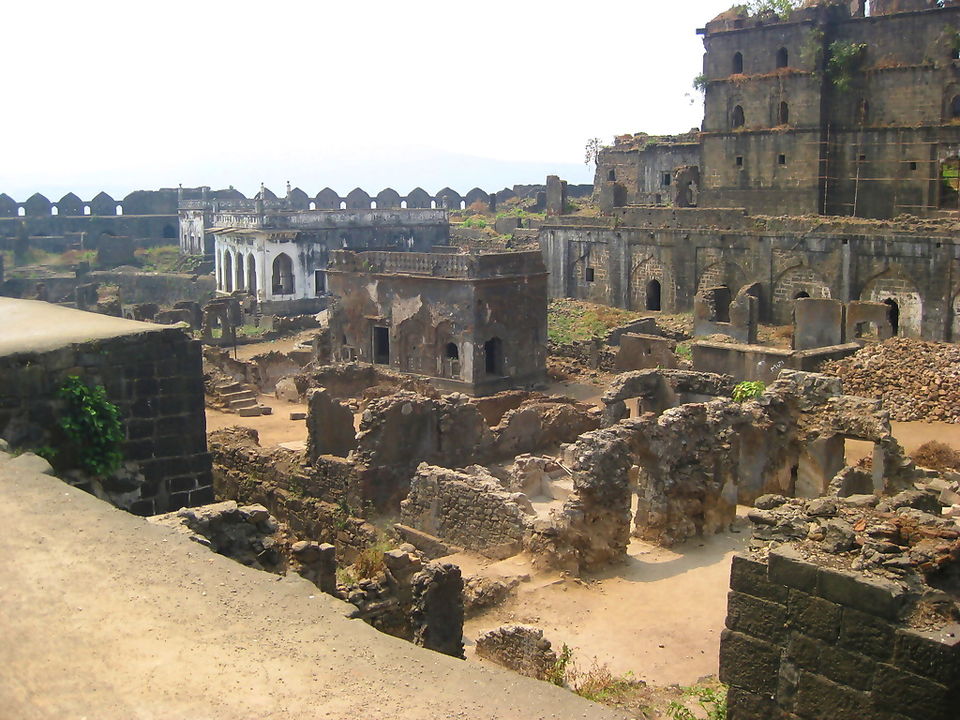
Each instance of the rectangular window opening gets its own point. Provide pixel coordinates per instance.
(381, 345)
(739, 160)
(588, 274)
(782, 159)
(665, 179)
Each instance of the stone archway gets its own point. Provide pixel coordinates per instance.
(902, 296)
(796, 282)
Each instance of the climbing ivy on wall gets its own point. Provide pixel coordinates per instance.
(92, 426)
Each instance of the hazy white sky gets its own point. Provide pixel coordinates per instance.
(127, 95)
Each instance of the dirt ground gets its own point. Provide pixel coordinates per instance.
(658, 615)
(274, 429)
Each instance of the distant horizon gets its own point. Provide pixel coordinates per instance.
(459, 172)
(118, 97)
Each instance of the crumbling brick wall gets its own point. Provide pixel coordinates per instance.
(314, 501)
(154, 377)
(809, 641)
(470, 509)
(520, 648)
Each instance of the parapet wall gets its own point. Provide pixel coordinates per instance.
(154, 377)
(805, 640)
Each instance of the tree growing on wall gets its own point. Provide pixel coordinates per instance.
(782, 8)
(592, 151)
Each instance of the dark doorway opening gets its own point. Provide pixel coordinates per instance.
(722, 298)
(894, 314)
(381, 345)
(737, 64)
(169, 232)
(320, 281)
(452, 352)
(493, 356)
(801, 294)
(653, 295)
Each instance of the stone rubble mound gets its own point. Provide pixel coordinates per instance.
(914, 379)
(906, 538)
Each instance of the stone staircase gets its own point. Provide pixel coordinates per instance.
(241, 399)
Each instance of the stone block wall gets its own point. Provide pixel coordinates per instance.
(155, 378)
(520, 648)
(470, 510)
(808, 641)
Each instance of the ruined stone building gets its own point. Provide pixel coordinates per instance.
(830, 111)
(280, 256)
(474, 323)
(199, 208)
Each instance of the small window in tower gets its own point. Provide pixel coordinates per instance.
(738, 64)
(781, 159)
(861, 158)
(665, 179)
(588, 274)
(783, 114)
(913, 166)
(612, 175)
(739, 160)
(783, 58)
(738, 119)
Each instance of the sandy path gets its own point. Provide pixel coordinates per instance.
(106, 616)
(658, 615)
(273, 429)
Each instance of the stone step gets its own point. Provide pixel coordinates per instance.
(250, 411)
(230, 387)
(243, 403)
(242, 395)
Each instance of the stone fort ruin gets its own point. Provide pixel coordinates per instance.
(830, 111)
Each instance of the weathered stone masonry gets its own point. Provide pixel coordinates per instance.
(153, 374)
(808, 641)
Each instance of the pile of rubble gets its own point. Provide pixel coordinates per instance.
(908, 539)
(915, 380)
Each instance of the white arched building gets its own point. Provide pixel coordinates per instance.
(280, 257)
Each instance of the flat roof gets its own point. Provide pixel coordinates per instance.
(36, 326)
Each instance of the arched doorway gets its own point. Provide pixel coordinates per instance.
(801, 294)
(283, 283)
(251, 274)
(894, 314)
(653, 295)
(227, 271)
(238, 285)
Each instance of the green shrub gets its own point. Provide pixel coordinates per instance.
(92, 425)
(712, 701)
(744, 391)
